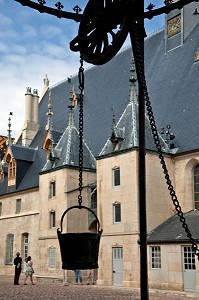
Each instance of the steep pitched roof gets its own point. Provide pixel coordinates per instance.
(173, 90)
(67, 150)
(171, 231)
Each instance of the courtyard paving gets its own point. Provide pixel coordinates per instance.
(57, 291)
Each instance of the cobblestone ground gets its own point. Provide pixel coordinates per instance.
(56, 291)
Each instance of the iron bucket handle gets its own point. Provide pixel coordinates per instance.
(80, 207)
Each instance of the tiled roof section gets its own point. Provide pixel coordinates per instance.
(31, 180)
(23, 153)
(67, 150)
(129, 124)
(56, 135)
(171, 231)
(173, 87)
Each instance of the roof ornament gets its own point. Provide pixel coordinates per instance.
(49, 113)
(71, 116)
(196, 11)
(9, 129)
(113, 137)
(168, 136)
(73, 98)
(133, 81)
(46, 81)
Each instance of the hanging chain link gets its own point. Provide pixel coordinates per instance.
(81, 116)
(139, 62)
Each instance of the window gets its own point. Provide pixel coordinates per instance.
(116, 213)
(25, 245)
(52, 219)
(196, 187)
(93, 198)
(9, 249)
(18, 206)
(11, 168)
(189, 258)
(0, 208)
(52, 189)
(52, 257)
(155, 252)
(116, 177)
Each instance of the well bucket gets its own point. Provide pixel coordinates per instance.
(79, 250)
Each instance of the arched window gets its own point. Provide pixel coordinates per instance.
(196, 186)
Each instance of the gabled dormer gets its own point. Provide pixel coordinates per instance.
(11, 163)
(179, 24)
(52, 135)
(18, 159)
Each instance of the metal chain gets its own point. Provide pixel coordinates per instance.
(139, 62)
(81, 96)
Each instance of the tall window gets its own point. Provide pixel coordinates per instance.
(196, 186)
(52, 257)
(25, 246)
(116, 176)
(155, 253)
(116, 213)
(9, 249)
(18, 206)
(11, 168)
(52, 219)
(52, 189)
(0, 208)
(93, 198)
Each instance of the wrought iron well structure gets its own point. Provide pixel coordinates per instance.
(104, 26)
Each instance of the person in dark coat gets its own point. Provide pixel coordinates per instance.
(18, 264)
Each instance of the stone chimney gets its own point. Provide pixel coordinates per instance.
(31, 125)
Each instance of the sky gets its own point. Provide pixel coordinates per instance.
(33, 45)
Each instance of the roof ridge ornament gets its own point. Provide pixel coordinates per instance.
(49, 113)
(9, 129)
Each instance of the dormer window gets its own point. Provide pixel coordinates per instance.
(11, 170)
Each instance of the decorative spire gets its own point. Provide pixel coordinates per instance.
(9, 129)
(46, 81)
(113, 134)
(73, 97)
(49, 113)
(133, 81)
(71, 122)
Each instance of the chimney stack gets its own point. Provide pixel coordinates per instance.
(31, 125)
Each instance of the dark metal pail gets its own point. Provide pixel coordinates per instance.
(79, 250)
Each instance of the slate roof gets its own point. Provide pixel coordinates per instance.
(172, 85)
(171, 231)
(172, 80)
(23, 153)
(67, 150)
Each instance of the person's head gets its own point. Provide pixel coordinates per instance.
(17, 254)
(28, 258)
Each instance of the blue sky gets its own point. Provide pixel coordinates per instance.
(34, 44)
